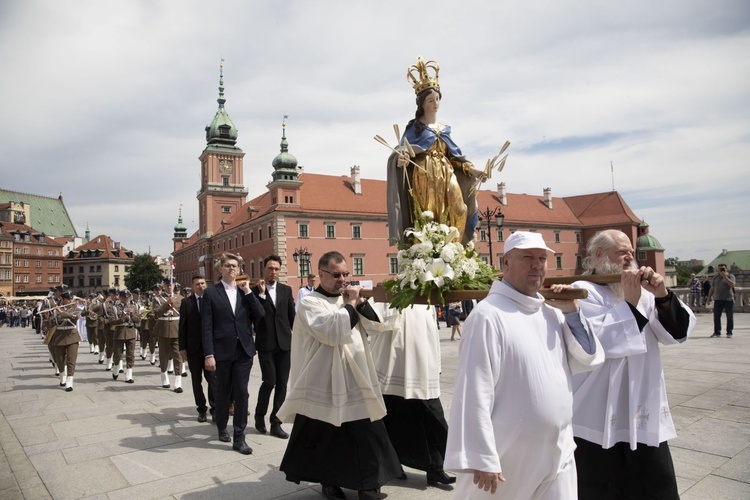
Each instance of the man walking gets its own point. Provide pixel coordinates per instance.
(722, 293)
(273, 340)
(228, 312)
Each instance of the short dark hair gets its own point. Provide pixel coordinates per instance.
(327, 257)
(198, 277)
(274, 258)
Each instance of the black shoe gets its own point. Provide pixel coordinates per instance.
(242, 447)
(152, 363)
(715, 335)
(202, 417)
(439, 477)
(178, 390)
(729, 335)
(115, 375)
(278, 432)
(333, 492)
(224, 436)
(402, 476)
(130, 381)
(143, 358)
(68, 389)
(260, 424)
(62, 384)
(101, 361)
(167, 386)
(122, 371)
(172, 372)
(184, 374)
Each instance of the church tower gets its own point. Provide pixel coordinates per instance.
(222, 190)
(285, 184)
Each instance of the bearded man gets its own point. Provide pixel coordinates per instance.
(621, 417)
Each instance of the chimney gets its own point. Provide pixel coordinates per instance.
(356, 183)
(501, 193)
(548, 197)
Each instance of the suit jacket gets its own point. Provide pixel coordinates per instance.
(275, 329)
(190, 329)
(222, 327)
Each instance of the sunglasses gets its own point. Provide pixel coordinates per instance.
(336, 275)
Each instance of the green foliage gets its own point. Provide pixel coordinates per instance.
(144, 273)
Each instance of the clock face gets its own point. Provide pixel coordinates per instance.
(225, 166)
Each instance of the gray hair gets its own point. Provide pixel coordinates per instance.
(602, 240)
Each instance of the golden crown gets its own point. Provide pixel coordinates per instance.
(418, 77)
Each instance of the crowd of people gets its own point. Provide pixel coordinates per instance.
(553, 398)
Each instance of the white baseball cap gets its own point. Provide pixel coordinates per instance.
(525, 240)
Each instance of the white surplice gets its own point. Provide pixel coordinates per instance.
(625, 400)
(332, 376)
(513, 401)
(407, 355)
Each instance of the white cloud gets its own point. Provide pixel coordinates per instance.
(106, 102)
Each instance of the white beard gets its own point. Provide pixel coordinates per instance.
(604, 266)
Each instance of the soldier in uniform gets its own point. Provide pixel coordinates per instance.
(53, 300)
(108, 312)
(166, 311)
(153, 340)
(124, 325)
(92, 322)
(65, 339)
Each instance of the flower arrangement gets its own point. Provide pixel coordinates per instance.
(435, 262)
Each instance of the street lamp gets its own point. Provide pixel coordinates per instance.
(487, 216)
(302, 256)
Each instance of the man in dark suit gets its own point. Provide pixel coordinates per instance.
(228, 313)
(191, 348)
(273, 340)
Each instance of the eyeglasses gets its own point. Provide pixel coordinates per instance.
(231, 266)
(336, 275)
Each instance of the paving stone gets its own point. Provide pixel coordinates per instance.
(717, 488)
(714, 399)
(84, 479)
(737, 467)
(714, 436)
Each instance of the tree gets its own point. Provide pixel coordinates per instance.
(144, 273)
(683, 273)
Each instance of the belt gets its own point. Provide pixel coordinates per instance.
(171, 318)
(66, 328)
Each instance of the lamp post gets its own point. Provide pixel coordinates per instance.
(487, 216)
(302, 256)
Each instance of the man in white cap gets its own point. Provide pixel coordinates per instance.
(510, 428)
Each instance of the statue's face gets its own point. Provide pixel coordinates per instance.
(431, 103)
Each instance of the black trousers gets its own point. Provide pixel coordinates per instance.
(620, 473)
(196, 363)
(233, 376)
(274, 368)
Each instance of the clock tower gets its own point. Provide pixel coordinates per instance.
(222, 191)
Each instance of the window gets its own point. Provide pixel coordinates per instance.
(127, 269)
(393, 265)
(57, 278)
(500, 261)
(18, 262)
(225, 209)
(260, 237)
(7, 274)
(482, 235)
(49, 264)
(641, 256)
(270, 232)
(98, 269)
(485, 259)
(557, 236)
(252, 236)
(359, 266)
(357, 232)
(558, 260)
(38, 251)
(578, 237)
(225, 181)
(26, 250)
(117, 269)
(25, 263)
(18, 250)
(26, 278)
(38, 278)
(117, 281)
(91, 269)
(500, 235)
(242, 239)
(39, 263)
(80, 269)
(18, 278)
(579, 262)
(330, 230)
(302, 230)
(80, 281)
(98, 281)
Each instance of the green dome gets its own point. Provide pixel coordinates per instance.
(221, 130)
(645, 241)
(285, 159)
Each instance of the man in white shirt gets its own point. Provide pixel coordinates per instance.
(510, 426)
(621, 417)
(305, 290)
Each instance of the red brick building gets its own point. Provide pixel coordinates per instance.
(37, 259)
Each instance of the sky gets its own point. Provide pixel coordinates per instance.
(106, 102)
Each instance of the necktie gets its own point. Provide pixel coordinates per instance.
(199, 303)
